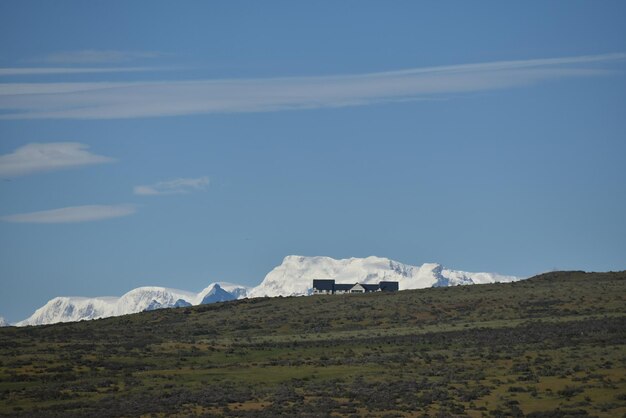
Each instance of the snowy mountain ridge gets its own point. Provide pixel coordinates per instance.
(293, 277)
(296, 273)
(67, 309)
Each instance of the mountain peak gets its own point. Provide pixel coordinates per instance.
(435, 269)
(216, 294)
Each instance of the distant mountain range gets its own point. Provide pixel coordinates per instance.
(66, 309)
(293, 277)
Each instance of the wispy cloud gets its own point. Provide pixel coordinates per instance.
(37, 157)
(176, 186)
(171, 98)
(16, 71)
(94, 56)
(72, 214)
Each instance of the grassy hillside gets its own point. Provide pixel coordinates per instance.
(550, 346)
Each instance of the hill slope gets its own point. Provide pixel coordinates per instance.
(549, 346)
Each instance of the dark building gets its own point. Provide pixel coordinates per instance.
(323, 286)
(329, 287)
(388, 286)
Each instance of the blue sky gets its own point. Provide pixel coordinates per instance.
(153, 143)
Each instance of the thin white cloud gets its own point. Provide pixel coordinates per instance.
(37, 157)
(16, 71)
(94, 56)
(72, 214)
(176, 186)
(12, 89)
(171, 98)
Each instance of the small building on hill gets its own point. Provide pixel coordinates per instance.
(329, 287)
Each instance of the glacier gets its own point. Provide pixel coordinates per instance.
(293, 277)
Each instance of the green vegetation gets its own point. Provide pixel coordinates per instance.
(551, 346)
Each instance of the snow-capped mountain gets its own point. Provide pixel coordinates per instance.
(296, 273)
(67, 309)
(294, 276)
(221, 292)
(3, 322)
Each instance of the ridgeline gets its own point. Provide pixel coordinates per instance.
(550, 346)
